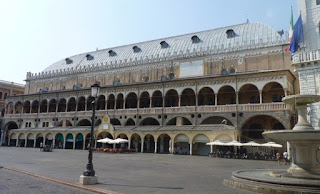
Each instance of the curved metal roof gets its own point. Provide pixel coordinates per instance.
(248, 35)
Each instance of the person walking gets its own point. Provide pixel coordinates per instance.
(278, 157)
(285, 157)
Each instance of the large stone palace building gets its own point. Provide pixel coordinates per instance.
(179, 92)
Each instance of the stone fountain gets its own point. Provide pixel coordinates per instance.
(303, 176)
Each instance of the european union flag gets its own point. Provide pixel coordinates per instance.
(297, 35)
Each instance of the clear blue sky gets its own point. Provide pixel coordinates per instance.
(36, 33)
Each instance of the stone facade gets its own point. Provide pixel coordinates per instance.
(181, 96)
(307, 60)
(8, 89)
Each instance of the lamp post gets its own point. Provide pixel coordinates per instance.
(88, 177)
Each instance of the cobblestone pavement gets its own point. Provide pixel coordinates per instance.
(16, 183)
(135, 172)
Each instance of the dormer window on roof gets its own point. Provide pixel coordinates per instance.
(164, 44)
(136, 49)
(89, 57)
(230, 33)
(195, 39)
(112, 53)
(68, 61)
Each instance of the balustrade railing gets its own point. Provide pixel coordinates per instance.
(307, 56)
(184, 109)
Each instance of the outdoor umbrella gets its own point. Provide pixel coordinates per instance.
(216, 142)
(233, 143)
(272, 144)
(105, 140)
(252, 143)
(118, 140)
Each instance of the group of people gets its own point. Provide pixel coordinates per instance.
(284, 156)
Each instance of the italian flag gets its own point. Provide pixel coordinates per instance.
(290, 31)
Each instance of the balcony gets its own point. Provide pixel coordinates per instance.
(167, 110)
(306, 57)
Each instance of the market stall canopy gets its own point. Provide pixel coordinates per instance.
(233, 143)
(105, 140)
(252, 143)
(272, 144)
(216, 142)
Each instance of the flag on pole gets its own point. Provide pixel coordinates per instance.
(297, 35)
(290, 31)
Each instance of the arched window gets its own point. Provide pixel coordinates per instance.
(5, 96)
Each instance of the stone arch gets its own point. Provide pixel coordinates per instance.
(181, 144)
(115, 121)
(188, 97)
(171, 98)
(10, 108)
(49, 139)
(149, 121)
(119, 101)
(149, 144)
(255, 125)
(79, 141)
(69, 141)
(67, 123)
(163, 143)
(223, 138)
(212, 120)
(272, 92)
(144, 100)
(226, 95)
(206, 96)
(52, 105)
(59, 141)
(130, 122)
(44, 106)
(179, 121)
(249, 93)
(62, 104)
(18, 107)
(13, 139)
(81, 103)
(135, 142)
(101, 102)
(199, 146)
(90, 99)
(9, 125)
(98, 122)
(21, 140)
(84, 122)
(72, 104)
(157, 99)
(26, 107)
(131, 100)
(111, 102)
(39, 139)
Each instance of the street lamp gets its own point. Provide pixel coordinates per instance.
(88, 177)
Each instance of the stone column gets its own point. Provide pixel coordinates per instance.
(83, 144)
(142, 142)
(48, 107)
(53, 143)
(57, 103)
(216, 99)
(106, 105)
(163, 101)
(162, 144)
(179, 101)
(17, 142)
(44, 141)
(34, 143)
(64, 142)
(74, 143)
(129, 143)
(190, 148)
(85, 105)
(150, 102)
(124, 103)
(237, 97)
(95, 144)
(138, 102)
(260, 95)
(25, 142)
(196, 100)
(211, 148)
(155, 147)
(172, 146)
